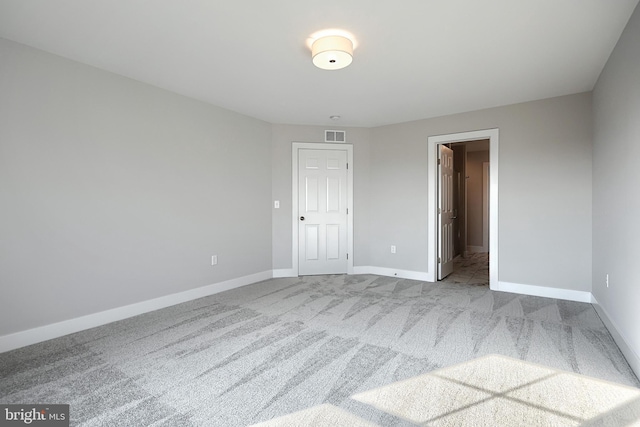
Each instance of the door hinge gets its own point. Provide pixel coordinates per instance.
(439, 260)
(347, 211)
(438, 161)
(439, 211)
(347, 256)
(347, 165)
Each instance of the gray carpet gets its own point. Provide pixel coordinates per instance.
(284, 345)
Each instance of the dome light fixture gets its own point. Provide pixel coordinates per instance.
(332, 52)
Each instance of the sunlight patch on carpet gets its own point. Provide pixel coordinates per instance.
(501, 391)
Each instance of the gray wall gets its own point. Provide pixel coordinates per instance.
(616, 184)
(114, 192)
(545, 154)
(282, 138)
(475, 195)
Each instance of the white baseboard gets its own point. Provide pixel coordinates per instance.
(392, 272)
(632, 357)
(284, 272)
(55, 330)
(542, 291)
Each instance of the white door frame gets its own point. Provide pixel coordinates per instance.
(295, 146)
(486, 212)
(432, 193)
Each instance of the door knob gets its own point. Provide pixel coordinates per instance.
(301, 218)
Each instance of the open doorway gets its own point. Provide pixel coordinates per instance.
(478, 244)
(470, 213)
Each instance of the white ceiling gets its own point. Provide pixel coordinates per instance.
(414, 58)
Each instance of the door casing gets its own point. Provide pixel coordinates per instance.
(432, 194)
(295, 147)
(486, 213)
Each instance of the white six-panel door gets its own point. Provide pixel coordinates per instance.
(445, 213)
(322, 212)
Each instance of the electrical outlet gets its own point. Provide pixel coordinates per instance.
(393, 249)
(606, 280)
(214, 259)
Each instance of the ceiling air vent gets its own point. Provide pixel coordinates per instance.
(335, 136)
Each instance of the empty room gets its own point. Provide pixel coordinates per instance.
(286, 213)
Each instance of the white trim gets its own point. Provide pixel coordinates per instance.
(284, 272)
(391, 272)
(632, 357)
(485, 206)
(55, 330)
(543, 291)
(432, 169)
(476, 249)
(295, 146)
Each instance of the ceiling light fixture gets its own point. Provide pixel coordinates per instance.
(332, 52)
